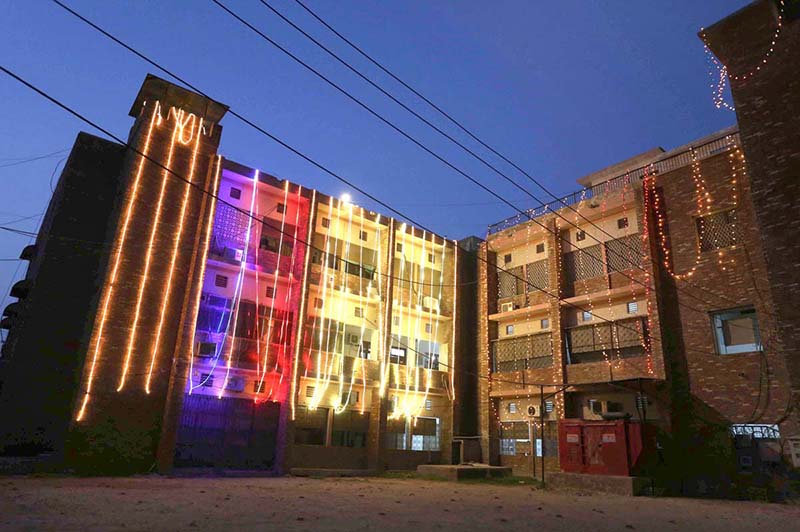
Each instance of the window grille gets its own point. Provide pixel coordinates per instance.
(624, 253)
(527, 352)
(537, 275)
(507, 282)
(717, 231)
(583, 264)
(621, 338)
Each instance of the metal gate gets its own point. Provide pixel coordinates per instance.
(227, 432)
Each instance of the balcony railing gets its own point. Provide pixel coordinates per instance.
(669, 163)
(521, 353)
(596, 343)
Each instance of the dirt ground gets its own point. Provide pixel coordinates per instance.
(157, 503)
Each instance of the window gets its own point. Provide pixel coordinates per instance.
(221, 281)
(364, 350)
(717, 231)
(359, 312)
(614, 407)
(540, 248)
(509, 329)
(236, 193)
(595, 407)
(280, 208)
(586, 316)
(397, 355)
(271, 292)
(396, 321)
(309, 391)
(736, 331)
(326, 222)
(318, 303)
(207, 380)
(580, 235)
(362, 235)
(259, 386)
(622, 223)
(311, 426)
(544, 323)
(512, 408)
(398, 247)
(548, 406)
(507, 258)
(427, 354)
(641, 402)
(350, 428)
(633, 307)
(207, 349)
(428, 327)
(431, 258)
(428, 404)
(425, 434)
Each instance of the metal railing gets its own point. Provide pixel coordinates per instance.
(670, 162)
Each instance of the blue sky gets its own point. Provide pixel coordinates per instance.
(562, 88)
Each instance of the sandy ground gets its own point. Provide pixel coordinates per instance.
(156, 503)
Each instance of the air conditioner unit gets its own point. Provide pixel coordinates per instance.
(431, 303)
(233, 254)
(533, 410)
(507, 307)
(352, 339)
(235, 384)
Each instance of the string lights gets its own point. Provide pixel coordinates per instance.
(120, 245)
(177, 135)
(720, 78)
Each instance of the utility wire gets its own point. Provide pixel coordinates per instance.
(225, 202)
(428, 150)
(627, 259)
(340, 178)
(325, 169)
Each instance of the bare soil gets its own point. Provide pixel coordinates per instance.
(228, 504)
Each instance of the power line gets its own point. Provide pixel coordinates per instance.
(25, 160)
(428, 150)
(223, 201)
(627, 259)
(339, 177)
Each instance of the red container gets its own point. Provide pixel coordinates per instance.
(602, 447)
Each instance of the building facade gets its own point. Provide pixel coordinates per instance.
(661, 292)
(262, 325)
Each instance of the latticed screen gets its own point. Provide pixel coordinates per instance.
(517, 430)
(624, 253)
(529, 352)
(717, 230)
(621, 338)
(583, 264)
(507, 281)
(230, 225)
(536, 274)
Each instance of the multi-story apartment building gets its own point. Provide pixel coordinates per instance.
(658, 292)
(261, 325)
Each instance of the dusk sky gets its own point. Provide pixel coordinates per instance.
(561, 88)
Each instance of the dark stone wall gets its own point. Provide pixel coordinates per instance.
(42, 356)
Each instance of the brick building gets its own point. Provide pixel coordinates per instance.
(662, 291)
(271, 327)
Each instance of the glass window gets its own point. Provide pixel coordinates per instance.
(350, 429)
(736, 331)
(509, 329)
(310, 426)
(544, 323)
(586, 316)
(425, 434)
(427, 354)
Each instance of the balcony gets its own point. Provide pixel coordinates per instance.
(605, 341)
(522, 353)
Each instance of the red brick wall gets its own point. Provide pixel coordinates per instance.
(768, 110)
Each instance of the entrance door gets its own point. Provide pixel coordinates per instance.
(228, 432)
